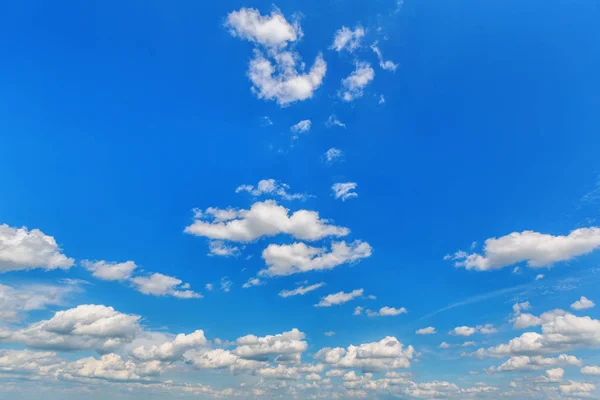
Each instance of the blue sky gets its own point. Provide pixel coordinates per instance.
(330, 199)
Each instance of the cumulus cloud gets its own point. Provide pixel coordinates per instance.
(577, 389)
(386, 354)
(287, 346)
(94, 327)
(534, 363)
(219, 359)
(298, 257)
(335, 299)
(164, 285)
(16, 301)
(28, 362)
(347, 39)
(537, 249)
(301, 127)
(222, 249)
(302, 290)
(583, 304)
(23, 249)
(344, 191)
(332, 155)
(170, 350)
(271, 187)
(591, 370)
(430, 330)
(386, 312)
(271, 30)
(110, 271)
(358, 310)
(284, 80)
(561, 331)
(384, 64)
(279, 372)
(353, 85)
(263, 219)
(111, 367)
(468, 331)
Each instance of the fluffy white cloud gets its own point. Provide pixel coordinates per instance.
(284, 80)
(523, 321)
(386, 312)
(347, 39)
(561, 331)
(279, 372)
(345, 190)
(288, 346)
(271, 187)
(96, 327)
(577, 389)
(354, 84)
(23, 249)
(111, 367)
(302, 290)
(534, 363)
(333, 155)
(272, 30)
(221, 249)
(17, 300)
(164, 285)
(430, 330)
(464, 331)
(263, 219)
(591, 370)
(298, 257)
(583, 304)
(384, 64)
(357, 310)
(170, 350)
(335, 299)
(388, 353)
(537, 249)
(253, 282)
(28, 362)
(333, 121)
(219, 359)
(110, 271)
(302, 126)
(468, 331)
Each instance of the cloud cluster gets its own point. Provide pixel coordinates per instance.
(537, 249)
(263, 219)
(23, 249)
(347, 39)
(534, 363)
(291, 259)
(353, 85)
(170, 350)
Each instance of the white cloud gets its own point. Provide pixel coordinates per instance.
(523, 321)
(381, 99)
(583, 304)
(263, 219)
(555, 374)
(313, 377)
(111, 367)
(96, 327)
(301, 127)
(271, 187)
(286, 346)
(271, 31)
(430, 330)
(578, 389)
(537, 249)
(15, 301)
(468, 331)
(384, 64)
(333, 155)
(209, 287)
(386, 312)
(110, 271)
(252, 282)
(335, 299)
(358, 310)
(591, 370)
(518, 307)
(333, 121)
(27, 362)
(561, 331)
(163, 285)
(284, 80)
(279, 372)
(226, 284)
(444, 345)
(221, 249)
(329, 333)
(298, 257)
(220, 358)
(347, 39)
(23, 249)
(464, 331)
(344, 191)
(534, 363)
(302, 290)
(170, 350)
(539, 277)
(354, 84)
(388, 353)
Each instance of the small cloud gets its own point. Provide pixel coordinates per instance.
(430, 330)
(301, 127)
(266, 121)
(252, 282)
(539, 277)
(333, 121)
(347, 39)
(381, 99)
(387, 312)
(333, 155)
(330, 333)
(226, 284)
(583, 304)
(209, 287)
(345, 190)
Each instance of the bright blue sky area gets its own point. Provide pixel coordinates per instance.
(118, 118)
